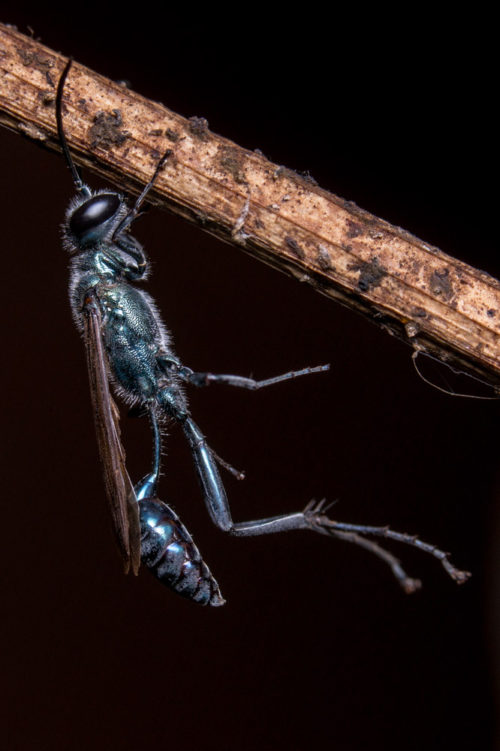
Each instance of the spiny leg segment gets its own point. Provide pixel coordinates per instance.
(319, 522)
(204, 379)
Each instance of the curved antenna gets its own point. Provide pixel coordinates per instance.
(79, 184)
(134, 211)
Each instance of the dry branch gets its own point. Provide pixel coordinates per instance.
(433, 301)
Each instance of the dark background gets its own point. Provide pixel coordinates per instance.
(316, 645)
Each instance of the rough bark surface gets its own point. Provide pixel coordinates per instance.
(436, 303)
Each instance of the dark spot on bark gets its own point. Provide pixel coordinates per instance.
(419, 313)
(198, 127)
(353, 229)
(307, 177)
(349, 205)
(155, 133)
(106, 131)
(491, 313)
(34, 59)
(297, 177)
(294, 247)
(324, 260)
(172, 135)
(371, 274)
(200, 218)
(230, 160)
(440, 284)
(47, 98)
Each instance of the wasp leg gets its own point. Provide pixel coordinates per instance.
(146, 488)
(319, 522)
(205, 379)
(171, 364)
(208, 475)
(313, 518)
(215, 495)
(407, 583)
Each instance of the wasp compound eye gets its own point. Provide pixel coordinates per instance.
(93, 213)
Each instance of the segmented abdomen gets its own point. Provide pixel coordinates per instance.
(168, 550)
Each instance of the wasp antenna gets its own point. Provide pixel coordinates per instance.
(134, 211)
(150, 184)
(60, 130)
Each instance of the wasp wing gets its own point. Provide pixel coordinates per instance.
(119, 488)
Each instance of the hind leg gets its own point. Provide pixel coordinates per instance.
(312, 518)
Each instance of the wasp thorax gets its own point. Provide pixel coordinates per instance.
(93, 214)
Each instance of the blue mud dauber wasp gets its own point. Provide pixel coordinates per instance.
(128, 346)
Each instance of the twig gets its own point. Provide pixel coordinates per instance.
(436, 303)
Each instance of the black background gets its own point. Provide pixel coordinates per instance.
(316, 645)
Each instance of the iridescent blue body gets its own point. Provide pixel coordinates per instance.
(144, 370)
(170, 554)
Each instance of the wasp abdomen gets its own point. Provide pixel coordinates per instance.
(168, 550)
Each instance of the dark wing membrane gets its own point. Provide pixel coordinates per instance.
(119, 488)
